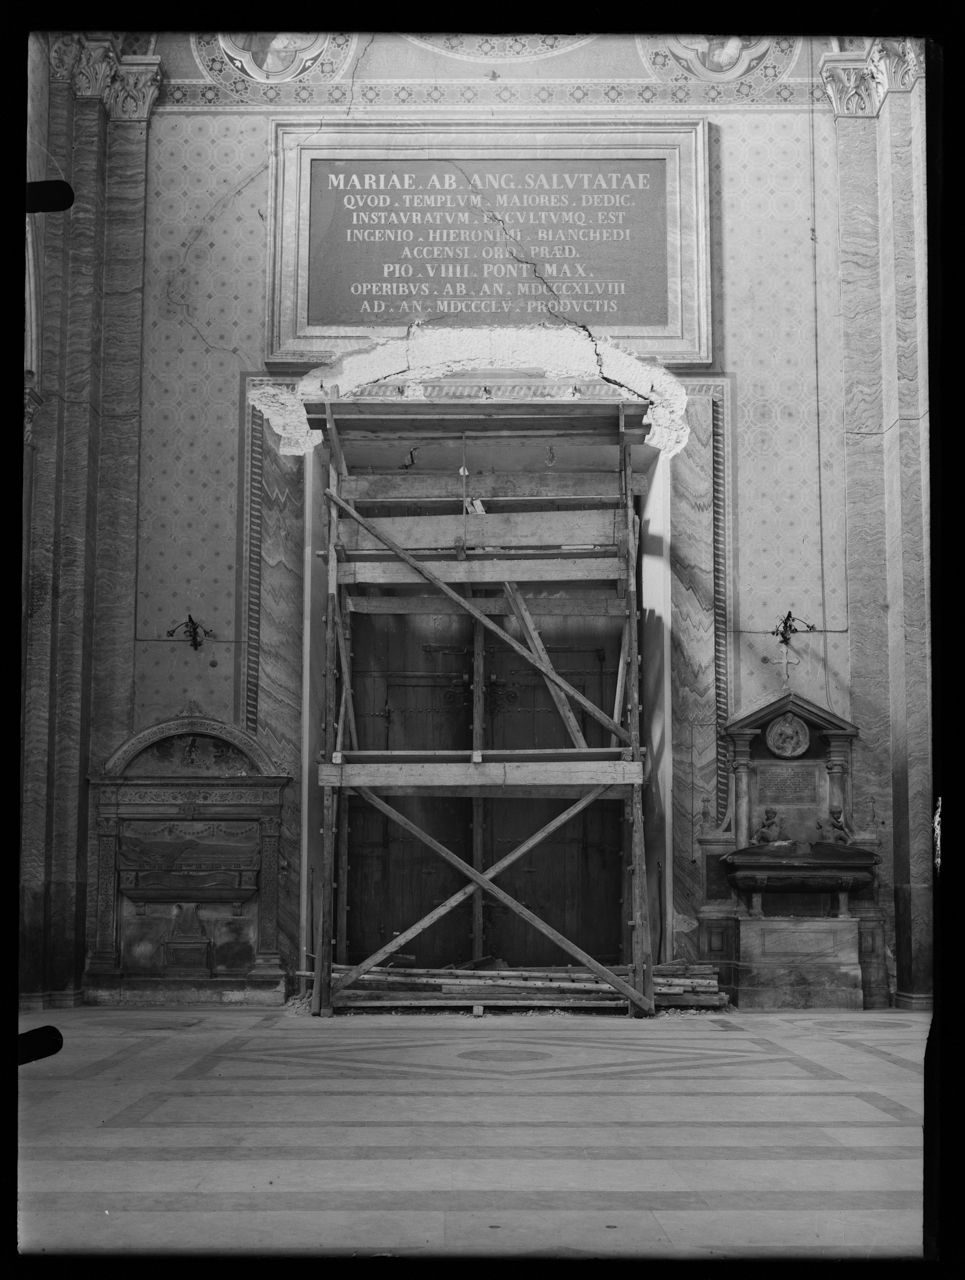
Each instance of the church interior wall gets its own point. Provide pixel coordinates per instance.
(214, 514)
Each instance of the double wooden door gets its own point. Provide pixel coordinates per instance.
(412, 684)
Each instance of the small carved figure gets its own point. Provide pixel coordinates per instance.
(837, 829)
(771, 829)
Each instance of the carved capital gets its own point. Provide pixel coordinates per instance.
(850, 85)
(65, 49)
(107, 825)
(134, 89)
(896, 64)
(94, 69)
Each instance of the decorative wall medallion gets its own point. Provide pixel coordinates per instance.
(274, 67)
(787, 736)
(718, 57)
(273, 55)
(499, 48)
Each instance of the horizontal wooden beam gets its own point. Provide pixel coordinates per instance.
(515, 485)
(583, 773)
(525, 755)
(389, 573)
(571, 792)
(495, 606)
(506, 530)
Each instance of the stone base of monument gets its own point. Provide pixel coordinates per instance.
(798, 963)
(165, 989)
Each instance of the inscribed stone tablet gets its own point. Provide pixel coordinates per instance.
(785, 784)
(488, 241)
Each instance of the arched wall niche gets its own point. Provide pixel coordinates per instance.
(130, 756)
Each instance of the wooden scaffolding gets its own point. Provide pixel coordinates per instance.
(515, 526)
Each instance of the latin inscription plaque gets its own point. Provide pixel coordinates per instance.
(488, 242)
(786, 784)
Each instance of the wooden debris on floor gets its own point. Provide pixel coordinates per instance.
(493, 984)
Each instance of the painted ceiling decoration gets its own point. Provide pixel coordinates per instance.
(749, 60)
(499, 48)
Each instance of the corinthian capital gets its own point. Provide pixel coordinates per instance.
(849, 84)
(134, 88)
(94, 69)
(896, 63)
(65, 49)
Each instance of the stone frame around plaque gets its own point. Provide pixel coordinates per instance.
(294, 345)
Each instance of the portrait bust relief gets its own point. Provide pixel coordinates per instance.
(787, 736)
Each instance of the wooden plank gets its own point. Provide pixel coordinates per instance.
(333, 441)
(482, 572)
(460, 896)
(534, 755)
(533, 639)
(454, 971)
(497, 606)
(619, 697)
(507, 639)
(478, 743)
(357, 998)
(341, 881)
(515, 529)
(617, 792)
(642, 1002)
(322, 990)
(583, 773)
(515, 485)
(641, 947)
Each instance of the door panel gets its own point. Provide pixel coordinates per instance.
(573, 880)
(411, 688)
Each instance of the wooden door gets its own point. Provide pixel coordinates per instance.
(411, 682)
(574, 880)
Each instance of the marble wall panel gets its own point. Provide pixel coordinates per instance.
(693, 687)
(861, 307)
(280, 665)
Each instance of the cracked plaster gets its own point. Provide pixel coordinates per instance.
(426, 354)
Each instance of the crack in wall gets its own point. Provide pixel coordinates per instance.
(182, 306)
(355, 71)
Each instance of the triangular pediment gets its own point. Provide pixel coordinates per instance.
(817, 717)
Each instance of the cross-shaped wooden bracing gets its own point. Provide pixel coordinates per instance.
(357, 547)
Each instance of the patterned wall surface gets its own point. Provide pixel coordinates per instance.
(788, 448)
(205, 277)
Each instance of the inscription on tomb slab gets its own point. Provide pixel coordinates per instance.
(785, 784)
(488, 241)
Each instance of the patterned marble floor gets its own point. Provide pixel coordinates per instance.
(710, 1136)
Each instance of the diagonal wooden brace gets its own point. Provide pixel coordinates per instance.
(533, 639)
(635, 997)
(548, 672)
(462, 894)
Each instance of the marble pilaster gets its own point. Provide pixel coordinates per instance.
(906, 461)
(693, 690)
(858, 244)
(41, 585)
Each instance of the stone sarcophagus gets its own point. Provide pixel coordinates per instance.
(184, 872)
